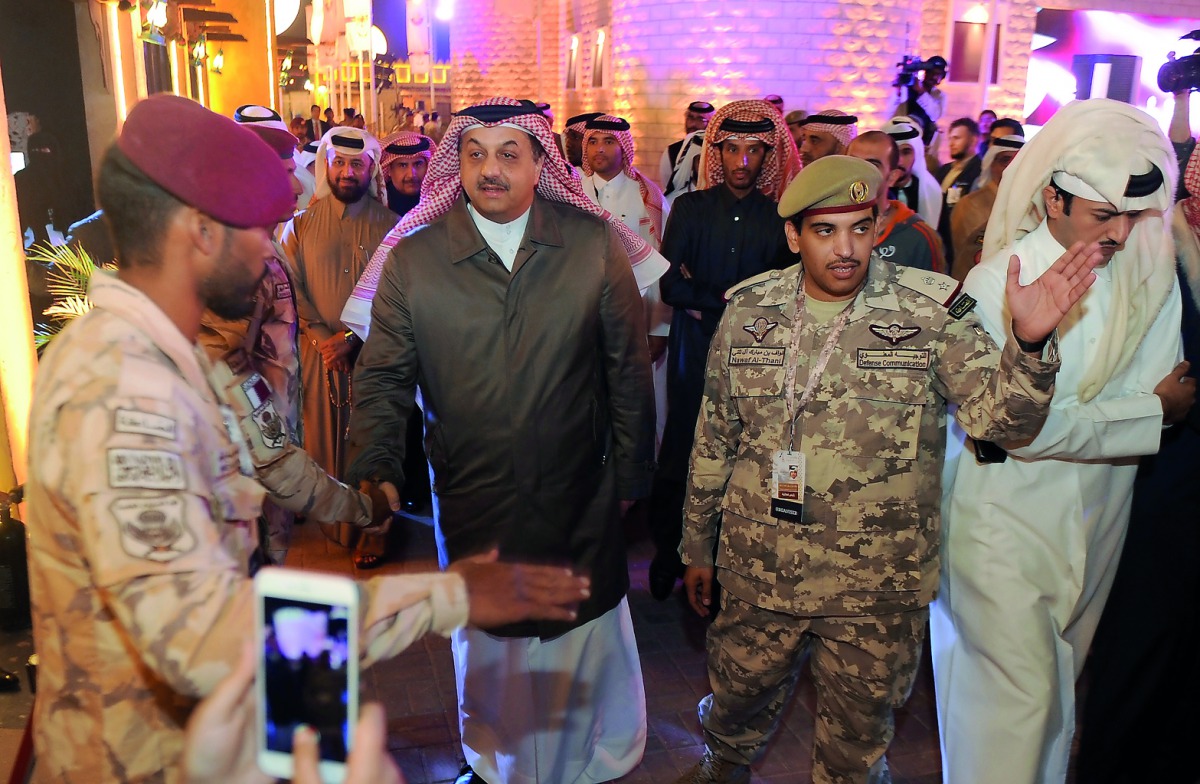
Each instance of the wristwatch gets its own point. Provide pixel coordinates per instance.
(351, 338)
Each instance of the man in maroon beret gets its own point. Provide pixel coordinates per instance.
(140, 493)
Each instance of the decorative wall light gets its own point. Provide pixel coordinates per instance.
(157, 15)
(218, 62)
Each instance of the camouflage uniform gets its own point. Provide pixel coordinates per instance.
(854, 579)
(268, 339)
(140, 511)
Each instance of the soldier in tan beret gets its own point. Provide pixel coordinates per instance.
(815, 475)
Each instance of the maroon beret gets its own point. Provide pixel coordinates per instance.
(282, 142)
(207, 161)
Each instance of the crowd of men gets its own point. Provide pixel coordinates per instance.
(865, 394)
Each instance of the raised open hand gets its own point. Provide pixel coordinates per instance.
(1038, 308)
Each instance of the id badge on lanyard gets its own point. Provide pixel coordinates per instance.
(787, 485)
(788, 465)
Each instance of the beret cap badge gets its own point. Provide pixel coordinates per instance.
(858, 191)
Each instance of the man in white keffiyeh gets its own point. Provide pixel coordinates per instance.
(1032, 536)
(506, 299)
(327, 246)
(917, 187)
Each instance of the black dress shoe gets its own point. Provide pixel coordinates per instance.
(468, 776)
(663, 573)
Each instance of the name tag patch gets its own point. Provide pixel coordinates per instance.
(153, 528)
(152, 469)
(143, 423)
(757, 355)
(962, 306)
(893, 358)
(283, 291)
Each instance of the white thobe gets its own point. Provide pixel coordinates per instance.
(1030, 545)
(622, 196)
(570, 710)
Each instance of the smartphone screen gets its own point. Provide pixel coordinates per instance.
(306, 671)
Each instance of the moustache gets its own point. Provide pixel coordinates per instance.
(491, 182)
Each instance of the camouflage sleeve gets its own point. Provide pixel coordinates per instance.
(290, 475)
(1003, 396)
(298, 484)
(714, 451)
(400, 609)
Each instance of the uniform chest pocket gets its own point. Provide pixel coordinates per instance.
(756, 380)
(883, 417)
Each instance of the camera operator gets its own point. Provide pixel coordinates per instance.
(922, 98)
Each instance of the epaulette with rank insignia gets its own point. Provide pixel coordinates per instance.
(754, 281)
(941, 288)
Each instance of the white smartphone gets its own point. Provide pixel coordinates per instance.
(307, 639)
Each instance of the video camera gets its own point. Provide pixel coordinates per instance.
(1178, 75)
(909, 66)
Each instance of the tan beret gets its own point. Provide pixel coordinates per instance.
(835, 183)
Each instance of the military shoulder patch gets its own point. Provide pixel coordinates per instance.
(754, 281)
(155, 529)
(962, 306)
(938, 287)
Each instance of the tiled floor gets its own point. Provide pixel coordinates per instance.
(417, 687)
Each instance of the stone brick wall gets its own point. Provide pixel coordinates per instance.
(494, 50)
(664, 54)
(817, 55)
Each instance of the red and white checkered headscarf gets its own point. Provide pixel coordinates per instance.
(652, 195)
(782, 162)
(443, 186)
(395, 146)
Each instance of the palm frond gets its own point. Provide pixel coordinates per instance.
(69, 270)
(43, 333)
(67, 308)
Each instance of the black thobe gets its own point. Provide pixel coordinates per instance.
(1139, 715)
(721, 240)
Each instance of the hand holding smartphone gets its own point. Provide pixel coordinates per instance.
(307, 647)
